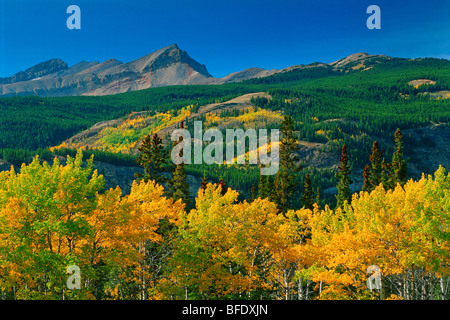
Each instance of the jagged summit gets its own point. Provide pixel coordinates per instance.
(164, 67)
(167, 66)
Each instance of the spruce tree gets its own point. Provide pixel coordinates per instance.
(308, 194)
(286, 180)
(318, 202)
(253, 192)
(179, 187)
(376, 168)
(262, 187)
(223, 186)
(153, 158)
(387, 177)
(366, 176)
(343, 175)
(265, 187)
(270, 188)
(399, 169)
(204, 183)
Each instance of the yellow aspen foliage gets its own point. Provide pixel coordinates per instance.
(52, 217)
(144, 245)
(400, 231)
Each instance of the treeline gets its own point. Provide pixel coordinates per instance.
(118, 159)
(298, 75)
(19, 156)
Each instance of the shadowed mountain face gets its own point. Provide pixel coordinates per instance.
(164, 67)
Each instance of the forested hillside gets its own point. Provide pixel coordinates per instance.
(330, 107)
(364, 160)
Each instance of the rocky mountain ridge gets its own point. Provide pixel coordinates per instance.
(165, 67)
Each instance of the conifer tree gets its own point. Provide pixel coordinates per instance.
(253, 192)
(286, 180)
(387, 177)
(343, 175)
(318, 202)
(308, 194)
(366, 176)
(376, 168)
(262, 187)
(266, 187)
(153, 158)
(179, 187)
(270, 191)
(223, 186)
(399, 169)
(204, 183)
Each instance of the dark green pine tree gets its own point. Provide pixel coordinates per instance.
(204, 183)
(286, 180)
(179, 187)
(318, 202)
(262, 189)
(343, 175)
(366, 177)
(253, 193)
(308, 194)
(376, 167)
(223, 186)
(265, 186)
(153, 158)
(387, 177)
(270, 188)
(399, 168)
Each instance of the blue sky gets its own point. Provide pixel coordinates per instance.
(225, 35)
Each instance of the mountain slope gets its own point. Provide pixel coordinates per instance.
(167, 66)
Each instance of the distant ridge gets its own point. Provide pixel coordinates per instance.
(165, 67)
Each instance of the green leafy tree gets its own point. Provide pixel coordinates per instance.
(44, 223)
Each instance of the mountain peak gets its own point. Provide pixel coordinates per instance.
(164, 58)
(173, 46)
